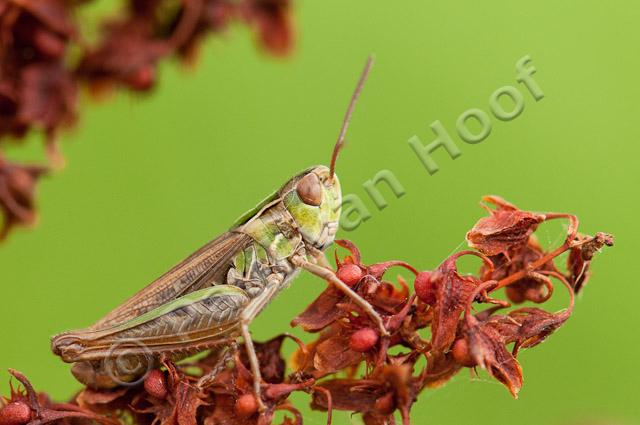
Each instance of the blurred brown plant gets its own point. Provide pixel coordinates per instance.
(44, 58)
(349, 365)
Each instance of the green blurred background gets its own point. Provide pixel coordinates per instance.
(148, 180)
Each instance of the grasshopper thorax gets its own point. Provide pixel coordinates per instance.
(313, 198)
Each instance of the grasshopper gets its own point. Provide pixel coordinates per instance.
(208, 300)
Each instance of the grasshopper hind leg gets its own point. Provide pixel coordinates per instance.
(124, 353)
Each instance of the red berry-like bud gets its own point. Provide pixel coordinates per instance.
(384, 404)
(462, 354)
(142, 79)
(246, 405)
(156, 384)
(425, 287)
(349, 274)
(515, 294)
(48, 43)
(363, 340)
(15, 413)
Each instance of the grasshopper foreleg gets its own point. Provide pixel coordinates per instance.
(329, 275)
(319, 257)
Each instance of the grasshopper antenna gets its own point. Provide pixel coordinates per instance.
(347, 116)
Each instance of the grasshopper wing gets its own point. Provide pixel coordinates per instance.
(204, 267)
(191, 323)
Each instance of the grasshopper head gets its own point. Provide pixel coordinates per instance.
(314, 199)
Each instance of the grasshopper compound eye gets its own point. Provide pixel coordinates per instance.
(309, 189)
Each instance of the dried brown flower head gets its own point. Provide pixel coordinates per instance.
(45, 59)
(17, 184)
(348, 365)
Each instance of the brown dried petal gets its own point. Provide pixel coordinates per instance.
(440, 369)
(452, 297)
(507, 228)
(355, 395)
(52, 13)
(45, 412)
(355, 257)
(535, 325)
(90, 398)
(487, 349)
(579, 260)
(372, 418)
(321, 312)
(335, 354)
(401, 382)
(187, 401)
(378, 270)
(529, 288)
(273, 22)
(387, 297)
(272, 366)
(48, 96)
(517, 260)
(17, 187)
(224, 413)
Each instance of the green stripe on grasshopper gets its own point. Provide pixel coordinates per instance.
(184, 301)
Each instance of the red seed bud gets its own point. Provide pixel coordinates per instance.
(246, 405)
(425, 287)
(142, 79)
(48, 43)
(156, 384)
(15, 413)
(349, 274)
(384, 404)
(515, 294)
(363, 340)
(462, 354)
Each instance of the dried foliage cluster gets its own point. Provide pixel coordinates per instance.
(45, 60)
(350, 366)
